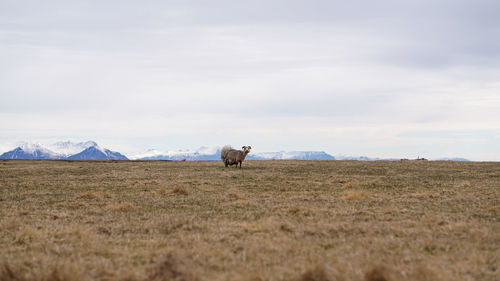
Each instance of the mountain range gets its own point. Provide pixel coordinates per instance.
(208, 154)
(90, 150)
(66, 150)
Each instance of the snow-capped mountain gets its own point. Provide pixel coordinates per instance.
(150, 153)
(68, 148)
(96, 152)
(291, 155)
(30, 151)
(358, 158)
(153, 154)
(210, 154)
(201, 154)
(62, 150)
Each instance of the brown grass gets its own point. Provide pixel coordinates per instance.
(270, 220)
(92, 195)
(171, 268)
(120, 207)
(351, 184)
(233, 194)
(181, 190)
(356, 195)
(161, 191)
(380, 273)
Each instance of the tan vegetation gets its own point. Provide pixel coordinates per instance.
(271, 220)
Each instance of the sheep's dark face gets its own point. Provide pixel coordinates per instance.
(246, 149)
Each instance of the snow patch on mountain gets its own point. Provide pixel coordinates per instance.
(37, 149)
(29, 147)
(67, 148)
(148, 153)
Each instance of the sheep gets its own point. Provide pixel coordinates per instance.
(232, 156)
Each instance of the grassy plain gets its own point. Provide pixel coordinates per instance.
(271, 220)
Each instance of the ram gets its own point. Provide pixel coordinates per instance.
(232, 156)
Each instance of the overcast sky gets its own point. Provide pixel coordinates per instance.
(377, 78)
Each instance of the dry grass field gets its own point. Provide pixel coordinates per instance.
(271, 220)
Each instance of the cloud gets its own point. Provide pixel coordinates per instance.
(319, 73)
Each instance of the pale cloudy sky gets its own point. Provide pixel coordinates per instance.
(378, 78)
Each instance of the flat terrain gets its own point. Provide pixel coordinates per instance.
(271, 220)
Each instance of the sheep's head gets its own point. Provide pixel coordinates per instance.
(246, 149)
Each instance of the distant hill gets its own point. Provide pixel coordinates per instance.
(454, 159)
